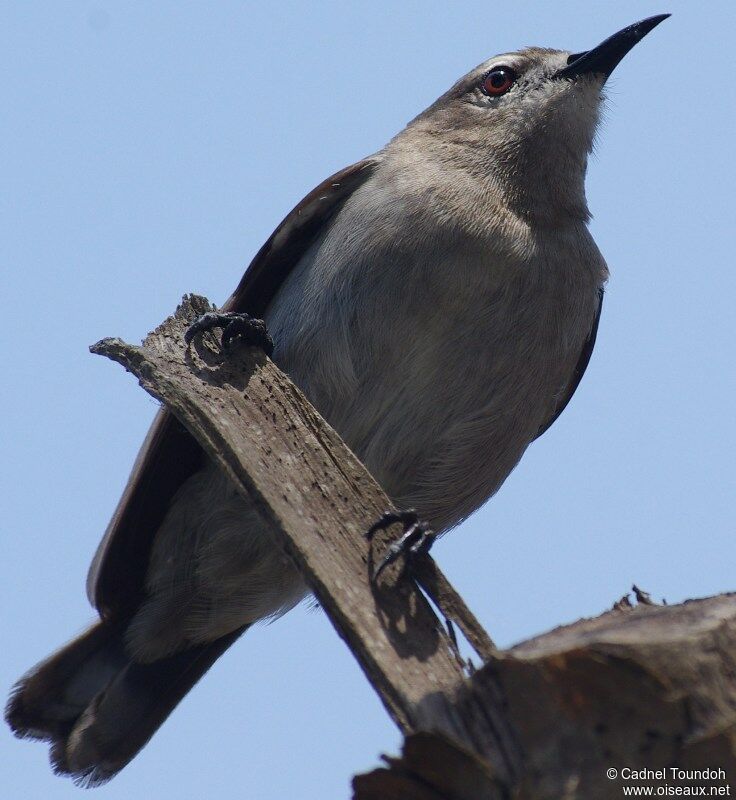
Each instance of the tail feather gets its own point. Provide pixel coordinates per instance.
(47, 700)
(97, 707)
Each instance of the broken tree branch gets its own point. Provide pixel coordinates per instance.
(648, 688)
(319, 501)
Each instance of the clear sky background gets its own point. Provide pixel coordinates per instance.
(148, 149)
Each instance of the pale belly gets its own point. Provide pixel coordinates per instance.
(438, 391)
(441, 414)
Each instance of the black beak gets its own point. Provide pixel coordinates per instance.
(603, 59)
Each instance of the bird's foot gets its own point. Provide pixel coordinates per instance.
(248, 330)
(416, 540)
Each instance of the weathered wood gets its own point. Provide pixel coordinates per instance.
(650, 687)
(318, 500)
(431, 767)
(638, 688)
(443, 595)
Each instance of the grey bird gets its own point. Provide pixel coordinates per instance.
(437, 302)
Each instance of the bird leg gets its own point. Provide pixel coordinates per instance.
(416, 540)
(249, 330)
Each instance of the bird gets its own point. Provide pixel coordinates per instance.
(437, 302)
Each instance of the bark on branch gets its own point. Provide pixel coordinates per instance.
(649, 687)
(318, 500)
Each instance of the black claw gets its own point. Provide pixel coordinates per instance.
(416, 540)
(451, 633)
(249, 330)
(406, 518)
(212, 319)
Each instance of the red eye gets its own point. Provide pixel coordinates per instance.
(498, 81)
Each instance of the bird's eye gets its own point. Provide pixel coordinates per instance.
(498, 81)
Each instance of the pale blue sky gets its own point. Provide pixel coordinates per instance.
(150, 148)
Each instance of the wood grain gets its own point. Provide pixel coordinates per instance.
(318, 500)
(650, 687)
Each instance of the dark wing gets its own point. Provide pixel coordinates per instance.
(580, 368)
(169, 454)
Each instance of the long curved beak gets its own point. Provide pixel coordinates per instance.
(604, 58)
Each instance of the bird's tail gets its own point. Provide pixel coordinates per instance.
(96, 706)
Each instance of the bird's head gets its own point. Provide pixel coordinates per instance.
(527, 120)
